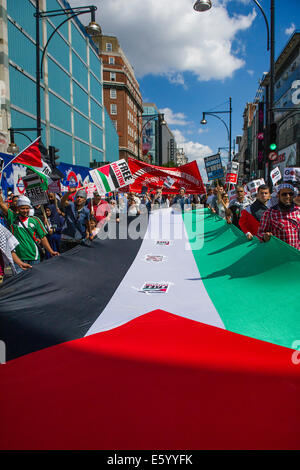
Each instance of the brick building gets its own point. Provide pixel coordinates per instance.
(122, 97)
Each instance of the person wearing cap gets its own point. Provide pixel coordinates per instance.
(28, 230)
(282, 220)
(76, 227)
(181, 199)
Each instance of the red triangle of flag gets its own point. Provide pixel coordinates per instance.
(104, 169)
(30, 156)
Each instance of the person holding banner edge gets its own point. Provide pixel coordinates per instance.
(28, 230)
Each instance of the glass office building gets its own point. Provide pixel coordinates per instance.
(72, 110)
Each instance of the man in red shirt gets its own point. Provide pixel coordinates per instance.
(99, 208)
(282, 220)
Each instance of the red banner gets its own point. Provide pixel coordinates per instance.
(169, 179)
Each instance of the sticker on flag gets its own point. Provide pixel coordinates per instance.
(275, 175)
(291, 174)
(155, 287)
(163, 243)
(110, 177)
(155, 258)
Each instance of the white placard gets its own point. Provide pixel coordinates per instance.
(275, 175)
(291, 174)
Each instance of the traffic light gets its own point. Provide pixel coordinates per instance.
(273, 137)
(51, 160)
(52, 156)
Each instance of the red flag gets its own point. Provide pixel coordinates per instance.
(170, 179)
(31, 156)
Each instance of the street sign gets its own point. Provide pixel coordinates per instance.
(273, 156)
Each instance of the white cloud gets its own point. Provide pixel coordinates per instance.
(177, 119)
(169, 38)
(193, 150)
(291, 29)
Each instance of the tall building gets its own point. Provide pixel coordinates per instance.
(286, 95)
(72, 111)
(122, 97)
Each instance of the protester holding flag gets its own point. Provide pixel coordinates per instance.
(222, 203)
(76, 228)
(236, 206)
(251, 216)
(158, 200)
(54, 223)
(8, 257)
(99, 208)
(181, 200)
(282, 220)
(29, 231)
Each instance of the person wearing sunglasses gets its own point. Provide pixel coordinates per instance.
(282, 220)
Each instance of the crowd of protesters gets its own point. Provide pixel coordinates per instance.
(29, 235)
(263, 216)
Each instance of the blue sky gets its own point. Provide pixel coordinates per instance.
(188, 62)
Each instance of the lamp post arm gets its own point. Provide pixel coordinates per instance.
(53, 32)
(266, 21)
(218, 117)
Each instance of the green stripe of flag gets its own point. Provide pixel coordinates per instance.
(254, 286)
(105, 182)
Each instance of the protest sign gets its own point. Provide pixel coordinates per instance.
(254, 185)
(54, 187)
(110, 177)
(275, 175)
(291, 174)
(214, 167)
(34, 191)
(232, 172)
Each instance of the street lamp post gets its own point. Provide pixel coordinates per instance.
(204, 5)
(93, 29)
(229, 131)
(161, 122)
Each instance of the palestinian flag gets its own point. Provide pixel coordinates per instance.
(184, 337)
(31, 157)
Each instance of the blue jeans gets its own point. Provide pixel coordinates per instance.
(31, 262)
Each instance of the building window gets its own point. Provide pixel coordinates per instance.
(111, 60)
(113, 109)
(113, 93)
(112, 76)
(115, 123)
(108, 47)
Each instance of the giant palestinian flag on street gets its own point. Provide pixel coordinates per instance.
(182, 336)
